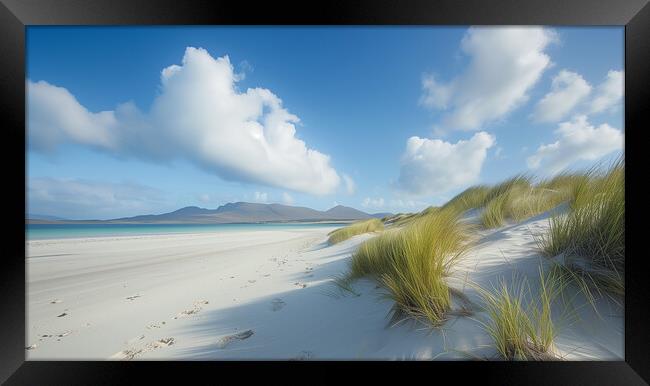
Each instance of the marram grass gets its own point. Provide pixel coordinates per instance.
(414, 256)
(357, 228)
(471, 198)
(402, 219)
(413, 262)
(518, 199)
(520, 322)
(591, 236)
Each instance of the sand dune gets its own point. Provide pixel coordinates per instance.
(264, 295)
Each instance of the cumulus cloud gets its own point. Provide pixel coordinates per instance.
(199, 115)
(568, 89)
(86, 199)
(609, 94)
(571, 92)
(55, 116)
(577, 140)
(433, 166)
(369, 202)
(504, 64)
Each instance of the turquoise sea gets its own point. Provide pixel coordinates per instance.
(59, 231)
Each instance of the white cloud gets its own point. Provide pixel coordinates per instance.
(577, 140)
(85, 199)
(369, 202)
(200, 116)
(350, 186)
(55, 116)
(609, 94)
(504, 63)
(436, 95)
(287, 198)
(568, 89)
(261, 197)
(433, 166)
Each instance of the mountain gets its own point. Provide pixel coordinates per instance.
(246, 212)
(345, 212)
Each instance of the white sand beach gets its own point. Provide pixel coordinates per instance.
(265, 294)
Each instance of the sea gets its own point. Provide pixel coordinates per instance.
(61, 231)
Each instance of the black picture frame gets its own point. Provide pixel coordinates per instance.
(15, 15)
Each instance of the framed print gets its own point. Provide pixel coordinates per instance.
(222, 187)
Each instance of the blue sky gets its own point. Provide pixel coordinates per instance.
(381, 118)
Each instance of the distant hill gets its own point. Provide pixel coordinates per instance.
(345, 212)
(239, 212)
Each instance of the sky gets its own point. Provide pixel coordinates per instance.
(124, 121)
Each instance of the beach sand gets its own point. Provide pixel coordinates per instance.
(265, 294)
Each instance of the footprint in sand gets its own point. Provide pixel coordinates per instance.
(226, 340)
(164, 342)
(127, 354)
(56, 335)
(277, 304)
(56, 301)
(197, 308)
(62, 315)
(31, 347)
(187, 313)
(303, 285)
(154, 325)
(131, 353)
(133, 297)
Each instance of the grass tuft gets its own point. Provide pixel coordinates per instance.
(520, 322)
(412, 263)
(357, 228)
(471, 198)
(518, 199)
(591, 236)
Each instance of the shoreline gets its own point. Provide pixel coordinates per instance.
(169, 229)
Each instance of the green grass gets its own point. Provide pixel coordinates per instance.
(521, 322)
(498, 200)
(518, 199)
(494, 212)
(402, 219)
(357, 228)
(413, 262)
(564, 184)
(471, 198)
(591, 236)
(413, 257)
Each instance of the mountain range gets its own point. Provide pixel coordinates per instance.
(237, 212)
